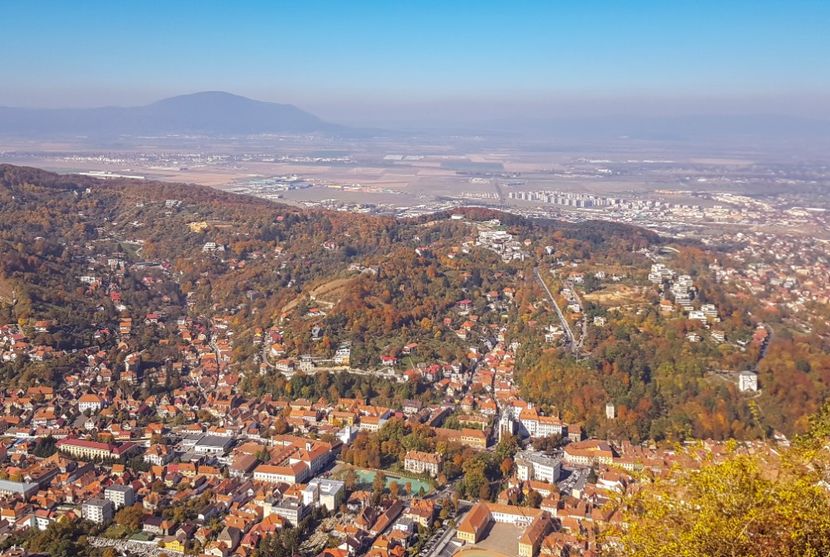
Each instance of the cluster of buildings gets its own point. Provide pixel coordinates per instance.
(492, 236)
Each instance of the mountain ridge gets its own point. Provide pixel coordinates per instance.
(205, 112)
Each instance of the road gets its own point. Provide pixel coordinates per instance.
(583, 319)
(764, 347)
(569, 335)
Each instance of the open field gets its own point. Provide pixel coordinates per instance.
(616, 295)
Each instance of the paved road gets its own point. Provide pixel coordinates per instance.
(569, 335)
(583, 319)
(440, 545)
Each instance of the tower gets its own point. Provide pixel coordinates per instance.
(507, 426)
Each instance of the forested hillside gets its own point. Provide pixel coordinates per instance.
(80, 259)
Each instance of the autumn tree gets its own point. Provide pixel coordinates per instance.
(753, 505)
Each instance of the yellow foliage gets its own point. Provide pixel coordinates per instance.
(747, 505)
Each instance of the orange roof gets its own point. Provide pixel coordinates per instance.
(475, 520)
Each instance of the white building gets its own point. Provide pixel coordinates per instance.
(324, 493)
(532, 465)
(120, 495)
(291, 510)
(419, 462)
(99, 511)
(747, 381)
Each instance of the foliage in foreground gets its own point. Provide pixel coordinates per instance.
(748, 505)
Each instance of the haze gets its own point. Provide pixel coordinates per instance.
(430, 64)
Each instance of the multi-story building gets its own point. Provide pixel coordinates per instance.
(84, 448)
(90, 402)
(288, 474)
(290, 509)
(474, 438)
(537, 466)
(99, 511)
(120, 495)
(531, 538)
(420, 462)
(588, 452)
(324, 493)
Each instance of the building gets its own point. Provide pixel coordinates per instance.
(748, 381)
(324, 493)
(290, 509)
(531, 538)
(531, 424)
(474, 438)
(22, 489)
(289, 474)
(420, 462)
(90, 402)
(158, 455)
(215, 445)
(120, 495)
(84, 448)
(421, 511)
(475, 524)
(532, 465)
(99, 511)
(588, 452)
(507, 425)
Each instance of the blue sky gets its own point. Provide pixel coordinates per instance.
(340, 54)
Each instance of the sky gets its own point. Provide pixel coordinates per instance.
(357, 60)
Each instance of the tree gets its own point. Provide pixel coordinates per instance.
(350, 479)
(379, 482)
(745, 505)
(506, 466)
(534, 499)
(130, 517)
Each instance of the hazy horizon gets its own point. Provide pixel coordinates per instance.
(376, 64)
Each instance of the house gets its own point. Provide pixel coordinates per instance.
(421, 511)
(158, 455)
(159, 526)
(342, 356)
(90, 402)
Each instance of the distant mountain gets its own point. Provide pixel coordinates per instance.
(211, 112)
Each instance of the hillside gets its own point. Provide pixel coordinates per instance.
(90, 259)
